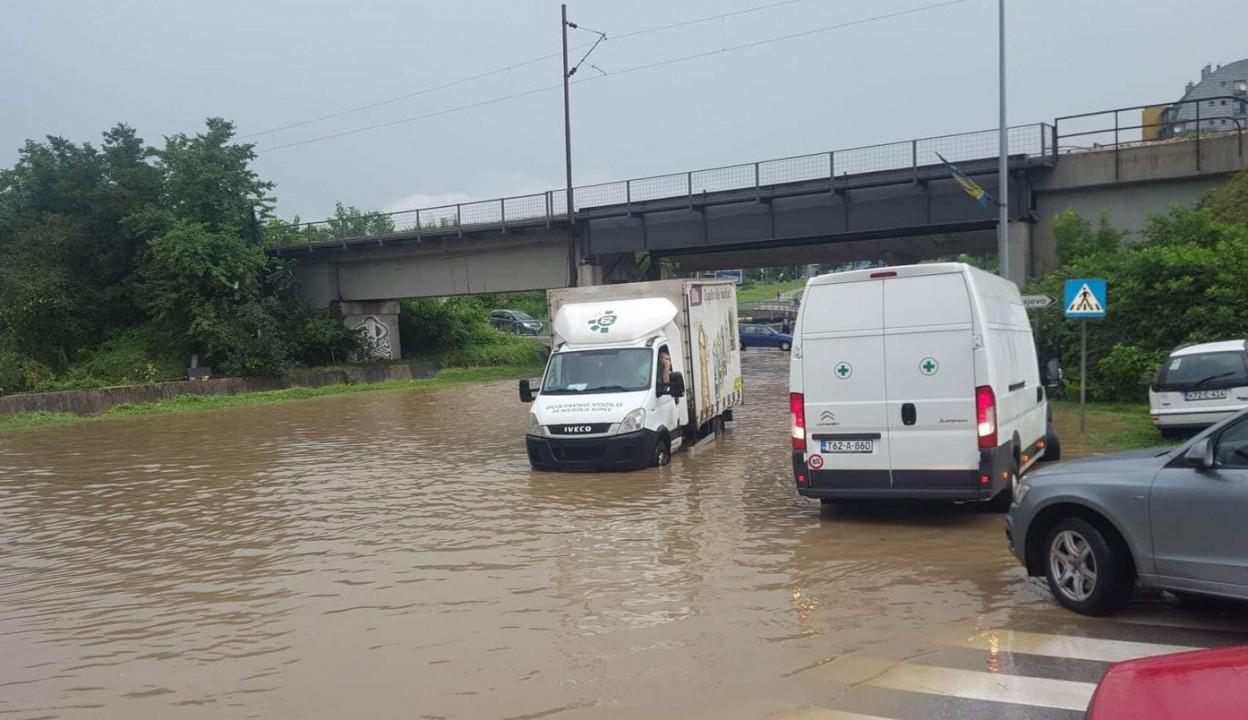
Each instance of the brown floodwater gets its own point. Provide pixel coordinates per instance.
(392, 555)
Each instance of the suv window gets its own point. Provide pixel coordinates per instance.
(1232, 447)
(1208, 370)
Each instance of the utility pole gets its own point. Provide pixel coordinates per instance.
(1003, 159)
(567, 150)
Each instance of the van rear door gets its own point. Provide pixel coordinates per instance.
(930, 375)
(843, 380)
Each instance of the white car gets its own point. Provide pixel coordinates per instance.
(1199, 385)
(914, 382)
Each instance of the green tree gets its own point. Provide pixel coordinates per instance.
(209, 180)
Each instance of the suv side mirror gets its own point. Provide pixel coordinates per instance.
(1200, 454)
(676, 386)
(1053, 373)
(526, 391)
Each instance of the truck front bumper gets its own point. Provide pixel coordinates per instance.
(609, 452)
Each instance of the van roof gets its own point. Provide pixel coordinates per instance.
(900, 270)
(1220, 346)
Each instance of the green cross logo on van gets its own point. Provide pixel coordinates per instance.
(843, 370)
(602, 322)
(928, 366)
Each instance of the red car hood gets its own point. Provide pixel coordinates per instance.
(1205, 684)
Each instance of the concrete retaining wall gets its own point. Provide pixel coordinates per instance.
(90, 402)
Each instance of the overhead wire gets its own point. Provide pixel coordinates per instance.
(509, 68)
(635, 68)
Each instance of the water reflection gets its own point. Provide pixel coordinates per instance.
(392, 555)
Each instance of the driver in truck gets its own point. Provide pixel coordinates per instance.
(665, 366)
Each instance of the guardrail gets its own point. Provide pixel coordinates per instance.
(1120, 135)
(501, 213)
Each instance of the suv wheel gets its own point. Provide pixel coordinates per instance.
(1086, 571)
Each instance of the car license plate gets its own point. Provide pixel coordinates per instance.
(848, 446)
(1205, 395)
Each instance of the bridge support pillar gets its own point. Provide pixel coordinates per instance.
(587, 274)
(379, 321)
(1019, 239)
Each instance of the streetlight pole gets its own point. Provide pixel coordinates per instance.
(567, 150)
(1003, 158)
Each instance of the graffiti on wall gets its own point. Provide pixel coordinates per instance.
(377, 338)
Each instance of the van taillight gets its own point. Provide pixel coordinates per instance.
(797, 416)
(885, 274)
(986, 417)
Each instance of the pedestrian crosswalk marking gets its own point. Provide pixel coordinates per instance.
(995, 687)
(1065, 646)
(818, 713)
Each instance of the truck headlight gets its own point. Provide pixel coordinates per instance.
(633, 421)
(533, 426)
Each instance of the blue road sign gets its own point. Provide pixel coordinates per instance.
(734, 275)
(1086, 298)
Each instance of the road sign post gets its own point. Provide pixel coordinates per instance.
(1085, 298)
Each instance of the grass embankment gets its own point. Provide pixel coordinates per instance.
(1111, 427)
(201, 403)
(754, 292)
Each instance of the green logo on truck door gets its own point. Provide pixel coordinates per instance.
(603, 321)
(843, 370)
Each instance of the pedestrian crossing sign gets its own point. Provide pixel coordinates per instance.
(1086, 298)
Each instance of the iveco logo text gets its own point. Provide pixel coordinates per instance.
(577, 428)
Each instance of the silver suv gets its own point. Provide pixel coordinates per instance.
(1175, 519)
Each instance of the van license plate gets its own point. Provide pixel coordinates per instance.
(848, 446)
(1205, 395)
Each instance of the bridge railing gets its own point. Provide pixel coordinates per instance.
(1181, 120)
(1032, 140)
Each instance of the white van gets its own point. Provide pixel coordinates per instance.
(1199, 385)
(607, 399)
(917, 381)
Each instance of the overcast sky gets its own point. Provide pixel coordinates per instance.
(75, 68)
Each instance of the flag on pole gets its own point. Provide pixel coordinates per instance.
(971, 187)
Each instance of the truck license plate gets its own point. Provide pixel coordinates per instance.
(1205, 395)
(848, 446)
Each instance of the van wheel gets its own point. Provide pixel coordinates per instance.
(1086, 572)
(1003, 499)
(1052, 445)
(662, 451)
(785, 346)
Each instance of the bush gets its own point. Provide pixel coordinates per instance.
(457, 333)
(1125, 373)
(19, 373)
(125, 359)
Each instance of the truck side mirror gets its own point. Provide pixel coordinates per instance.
(526, 391)
(1200, 454)
(676, 386)
(1053, 373)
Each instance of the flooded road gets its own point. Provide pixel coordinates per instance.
(392, 555)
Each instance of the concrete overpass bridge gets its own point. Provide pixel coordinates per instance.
(893, 202)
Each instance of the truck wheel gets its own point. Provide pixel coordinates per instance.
(785, 346)
(1087, 572)
(662, 451)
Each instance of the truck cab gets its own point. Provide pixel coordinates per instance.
(611, 396)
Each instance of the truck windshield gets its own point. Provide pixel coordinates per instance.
(599, 371)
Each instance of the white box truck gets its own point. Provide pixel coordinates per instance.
(636, 371)
(914, 382)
